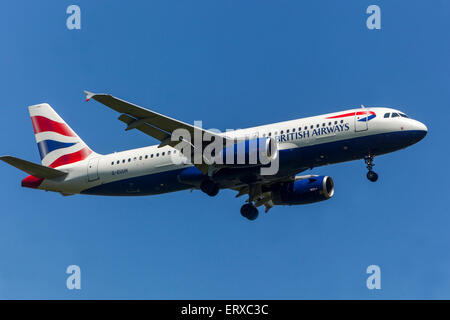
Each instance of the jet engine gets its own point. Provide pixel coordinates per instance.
(306, 190)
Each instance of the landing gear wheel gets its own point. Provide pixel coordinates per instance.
(249, 211)
(210, 188)
(372, 176)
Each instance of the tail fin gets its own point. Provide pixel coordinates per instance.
(58, 144)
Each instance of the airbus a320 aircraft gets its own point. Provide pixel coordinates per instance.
(70, 167)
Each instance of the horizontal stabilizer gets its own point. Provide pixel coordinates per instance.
(34, 169)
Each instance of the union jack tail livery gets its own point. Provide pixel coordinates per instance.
(58, 144)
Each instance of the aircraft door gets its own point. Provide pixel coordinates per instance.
(361, 118)
(92, 170)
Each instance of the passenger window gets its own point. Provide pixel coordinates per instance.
(140, 158)
(318, 125)
(287, 131)
(174, 151)
(394, 115)
(329, 123)
(342, 121)
(335, 122)
(312, 126)
(123, 161)
(270, 134)
(118, 161)
(386, 115)
(157, 154)
(323, 124)
(306, 128)
(129, 159)
(162, 153)
(135, 158)
(112, 163)
(146, 156)
(293, 130)
(151, 156)
(281, 132)
(168, 152)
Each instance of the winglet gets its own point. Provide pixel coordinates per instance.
(89, 95)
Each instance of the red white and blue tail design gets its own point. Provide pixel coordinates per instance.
(58, 144)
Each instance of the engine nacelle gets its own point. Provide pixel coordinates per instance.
(308, 190)
(248, 153)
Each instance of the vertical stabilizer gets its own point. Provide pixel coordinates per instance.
(58, 144)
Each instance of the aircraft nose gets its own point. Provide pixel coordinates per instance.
(420, 131)
(423, 127)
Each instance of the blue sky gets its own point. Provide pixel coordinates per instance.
(231, 64)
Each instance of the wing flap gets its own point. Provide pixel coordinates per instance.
(133, 123)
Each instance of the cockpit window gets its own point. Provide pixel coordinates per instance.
(394, 115)
(386, 115)
(403, 115)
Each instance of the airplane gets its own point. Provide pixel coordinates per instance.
(69, 166)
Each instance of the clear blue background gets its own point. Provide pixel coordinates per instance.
(232, 64)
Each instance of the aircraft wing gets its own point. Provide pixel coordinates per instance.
(152, 123)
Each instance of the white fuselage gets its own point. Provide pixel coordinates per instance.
(341, 134)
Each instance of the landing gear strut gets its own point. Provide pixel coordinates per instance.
(249, 211)
(371, 175)
(209, 187)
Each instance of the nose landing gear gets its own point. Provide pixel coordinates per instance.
(371, 175)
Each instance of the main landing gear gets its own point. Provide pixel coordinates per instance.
(249, 211)
(209, 187)
(371, 175)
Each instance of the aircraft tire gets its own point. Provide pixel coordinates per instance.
(249, 211)
(372, 176)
